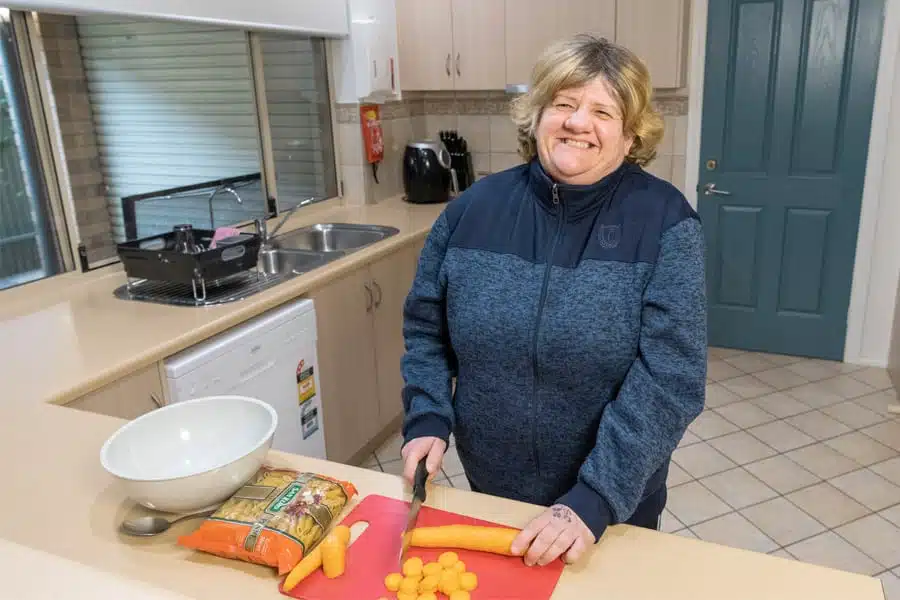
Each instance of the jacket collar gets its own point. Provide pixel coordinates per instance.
(579, 200)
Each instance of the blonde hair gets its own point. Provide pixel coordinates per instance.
(576, 61)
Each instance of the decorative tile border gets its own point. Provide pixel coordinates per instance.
(470, 103)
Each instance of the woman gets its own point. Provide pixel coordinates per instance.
(566, 297)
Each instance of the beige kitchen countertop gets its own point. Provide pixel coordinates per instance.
(58, 534)
(68, 335)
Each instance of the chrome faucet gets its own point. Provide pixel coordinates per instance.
(262, 229)
(221, 188)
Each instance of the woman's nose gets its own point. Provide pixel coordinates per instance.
(578, 120)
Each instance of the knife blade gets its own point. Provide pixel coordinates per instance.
(418, 497)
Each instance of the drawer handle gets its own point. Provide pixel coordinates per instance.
(369, 298)
(378, 289)
(458, 72)
(156, 400)
(447, 64)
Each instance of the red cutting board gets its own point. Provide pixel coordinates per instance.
(376, 552)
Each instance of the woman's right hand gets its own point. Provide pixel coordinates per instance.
(415, 450)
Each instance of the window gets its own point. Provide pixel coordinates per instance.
(28, 244)
(165, 122)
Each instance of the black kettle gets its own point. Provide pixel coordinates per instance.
(428, 177)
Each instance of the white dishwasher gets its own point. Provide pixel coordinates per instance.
(272, 358)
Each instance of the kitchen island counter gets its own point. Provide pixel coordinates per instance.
(60, 504)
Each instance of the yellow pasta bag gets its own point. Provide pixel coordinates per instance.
(274, 519)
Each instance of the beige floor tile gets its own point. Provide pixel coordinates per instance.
(830, 550)
(451, 464)
(782, 360)
(873, 377)
(782, 474)
(687, 439)
(710, 424)
(891, 584)
(371, 463)
(814, 370)
(782, 521)
(741, 447)
(888, 433)
(852, 414)
(677, 475)
(720, 353)
(717, 395)
(692, 503)
(781, 405)
(460, 482)
(816, 395)
(738, 488)
(892, 514)
(717, 370)
(745, 414)
(823, 461)
(735, 531)
(849, 387)
(750, 362)
(782, 553)
(669, 523)
(687, 533)
(878, 538)
(861, 448)
(878, 402)
(828, 505)
(889, 469)
(869, 489)
(748, 386)
(818, 425)
(394, 467)
(781, 436)
(442, 480)
(781, 378)
(701, 460)
(390, 450)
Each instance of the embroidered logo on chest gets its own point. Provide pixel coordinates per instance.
(609, 236)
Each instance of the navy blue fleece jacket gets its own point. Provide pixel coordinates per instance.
(573, 319)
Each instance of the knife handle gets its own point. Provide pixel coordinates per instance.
(419, 480)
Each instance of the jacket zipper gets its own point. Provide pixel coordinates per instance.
(537, 327)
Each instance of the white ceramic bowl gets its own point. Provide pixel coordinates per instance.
(191, 455)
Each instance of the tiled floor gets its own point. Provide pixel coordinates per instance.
(794, 457)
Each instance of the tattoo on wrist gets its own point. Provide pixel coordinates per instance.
(563, 513)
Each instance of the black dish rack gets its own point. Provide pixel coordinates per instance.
(163, 258)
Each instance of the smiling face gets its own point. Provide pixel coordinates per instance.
(580, 137)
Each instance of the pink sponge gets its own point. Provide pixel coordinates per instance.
(222, 233)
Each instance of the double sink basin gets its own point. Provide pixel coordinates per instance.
(302, 250)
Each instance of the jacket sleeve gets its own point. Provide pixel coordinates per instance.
(429, 364)
(663, 391)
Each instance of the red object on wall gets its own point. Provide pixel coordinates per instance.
(373, 135)
(376, 553)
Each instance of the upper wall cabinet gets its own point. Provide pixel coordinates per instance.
(451, 44)
(366, 64)
(531, 25)
(324, 18)
(656, 30)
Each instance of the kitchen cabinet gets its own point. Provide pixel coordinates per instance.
(359, 320)
(365, 64)
(532, 25)
(126, 398)
(451, 44)
(656, 30)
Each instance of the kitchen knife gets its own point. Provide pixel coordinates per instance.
(418, 498)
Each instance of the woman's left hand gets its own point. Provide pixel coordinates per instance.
(557, 531)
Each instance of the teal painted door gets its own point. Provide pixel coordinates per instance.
(787, 105)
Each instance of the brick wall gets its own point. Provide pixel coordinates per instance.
(76, 122)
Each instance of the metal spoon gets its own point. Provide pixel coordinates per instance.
(146, 526)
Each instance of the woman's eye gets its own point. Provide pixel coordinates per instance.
(563, 105)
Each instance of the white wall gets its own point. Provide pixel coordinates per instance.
(877, 263)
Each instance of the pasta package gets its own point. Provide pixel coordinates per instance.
(275, 519)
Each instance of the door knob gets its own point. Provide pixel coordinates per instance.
(710, 188)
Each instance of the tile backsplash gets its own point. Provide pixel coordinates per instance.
(482, 118)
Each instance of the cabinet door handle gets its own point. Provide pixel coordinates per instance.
(447, 64)
(458, 73)
(369, 298)
(378, 289)
(156, 400)
(375, 69)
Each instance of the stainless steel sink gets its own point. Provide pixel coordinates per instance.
(332, 238)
